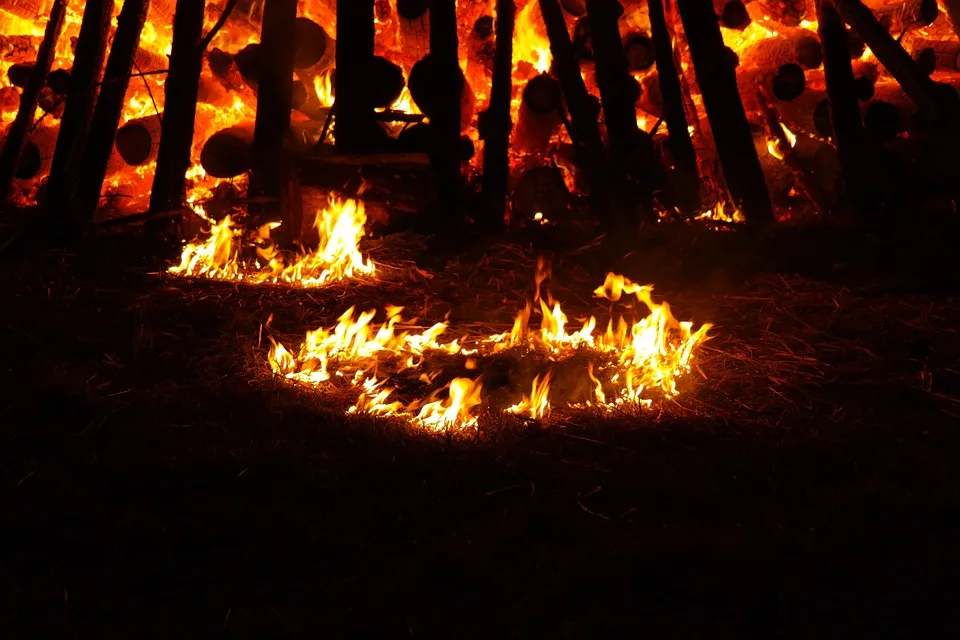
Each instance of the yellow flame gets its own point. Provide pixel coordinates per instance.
(340, 227)
(530, 41)
(323, 85)
(537, 405)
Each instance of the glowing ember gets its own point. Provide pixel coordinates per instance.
(340, 227)
(621, 366)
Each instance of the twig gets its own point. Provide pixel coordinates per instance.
(222, 20)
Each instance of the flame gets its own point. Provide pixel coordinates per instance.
(338, 257)
(626, 363)
(323, 85)
(530, 41)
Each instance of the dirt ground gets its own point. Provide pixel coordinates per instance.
(157, 481)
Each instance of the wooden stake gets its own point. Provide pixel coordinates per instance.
(445, 126)
(274, 98)
(180, 107)
(494, 123)
(106, 116)
(355, 50)
(728, 121)
(81, 100)
(845, 117)
(17, 134)
(681, 147)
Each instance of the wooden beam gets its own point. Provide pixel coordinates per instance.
(355, 50)
(445, 126)
(494, 123)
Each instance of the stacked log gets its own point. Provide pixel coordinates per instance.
(426, 91)
(789, 13)
(539, 116)
(139, 140)
(899, 15)
(26, 9)
(638, 49)
(18, 48)
(800, 46)
(229, 152)
(733, 14)
(414, 19)
(945, 53)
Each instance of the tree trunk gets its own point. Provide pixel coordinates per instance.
(731, 132)
(17, 134)
(681, 147)
(274, 96)
(181, 91)
(81, 100)
(495, 124)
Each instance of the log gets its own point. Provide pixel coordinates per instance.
(884, 121)
(583, 128)
(897, 16)
(789, 13)
(37, 154)
(386, 82)
(582, 45)
(494, 124)
(27, 9)
(17, 133)
(864, 88)
(81, 99)
(800, 46)
(313, 46)
(668, 83)
(446, 119)
(946, 53)
(19, 74)
(734, 15)
(106, 116)
(426, 88)
(59, 81)
(414, 21)
(617, 95)
(784, 83)
(274, 96)
(357, 131)
(539, 115)
(19, 48)
(228, 153)
(541, 190)
(921, 89)
(728, 121)
(146, 61)
(181, 91)
(138, 140)
(638, 49)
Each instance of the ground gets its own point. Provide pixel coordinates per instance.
(157, 480)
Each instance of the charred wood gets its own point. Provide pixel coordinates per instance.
(19, 48)
(228, 153)
(313, 46)
(181, 90)
(541, 190)
(414, 19)
(494, 124)
(728, 121)
(733, 15)
(576, 8)
(799, 46)
(357, 131)
(789, 13)
(138, 140)
(638, 49)
(426, 89)
(17, 134)
(447, 117)
(539, 116)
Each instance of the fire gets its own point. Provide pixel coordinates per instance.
(530, 42)
(323, 85)
(626, 363)
(338, 257)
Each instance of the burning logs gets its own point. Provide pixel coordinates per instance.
(427, 90)
(539, 115)
(785, 83)
(228, 153)
(138, 140)
(18, 48)
(37, 154)
(146, 61)
(414, 22)
(386, 82)
(945, 53)
(799, 46)
(19, 74)
(576, 8)
(899, 15)
(789, 13)
(27, 9)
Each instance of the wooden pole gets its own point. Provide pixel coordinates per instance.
(494, 123)
(274, 96)
(846, 121)
(106, 115)
(81, 100)
(583, 118)
(728, 121)
(180, 107)
(445, 126)
(17, 134)
(921, 89)
(355, 50)
(681, 146)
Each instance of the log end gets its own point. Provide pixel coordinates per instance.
(789, 82)
(809, 52)
(734, 15)
(542, 94)
(864, 87)
(311, 43)
(638, 48)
